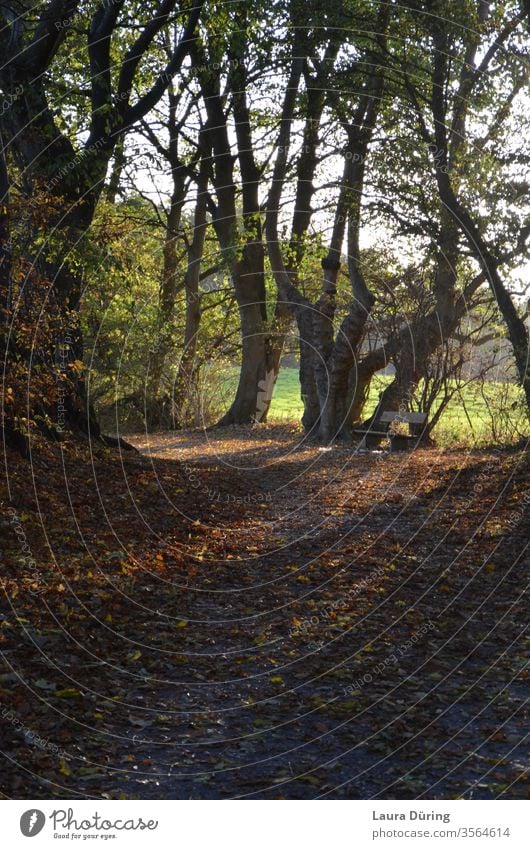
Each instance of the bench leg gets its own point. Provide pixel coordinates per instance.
(402, 443)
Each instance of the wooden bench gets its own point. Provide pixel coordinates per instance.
(398, 441)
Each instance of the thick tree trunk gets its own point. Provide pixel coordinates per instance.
(65, 186)
(302, 214)
(308, 384)
(361, 377)
(11, 434)
(256, 376)
(335, 358)
(69, 180)
(245, 261)
(410, 353)
(335, 416)
(396, 396)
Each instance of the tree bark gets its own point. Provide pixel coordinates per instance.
(168, 294)
(316, 91)
(186, 371)
(487, 261)
(47, 162)
(517, 330)
(243, 255)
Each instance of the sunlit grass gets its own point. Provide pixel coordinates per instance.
(477, 415)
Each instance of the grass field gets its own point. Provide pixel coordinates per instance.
(479, 415)
(469, 418)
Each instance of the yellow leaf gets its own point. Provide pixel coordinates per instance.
(69, 693)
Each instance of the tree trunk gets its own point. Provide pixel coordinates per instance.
(335, 417)
(69, 185)
(245, 261)
(5, 241)
(256, 376)
(186, 372)
(517, 330)
(14, 438)
(462, 218)
(118, 165)
(71, 181)
(168, 292)
(361, 377)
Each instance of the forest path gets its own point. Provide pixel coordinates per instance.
(275, 620)
(354, 664)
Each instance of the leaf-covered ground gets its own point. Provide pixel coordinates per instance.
(243, 614)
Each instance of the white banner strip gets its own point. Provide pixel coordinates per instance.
(265, 824)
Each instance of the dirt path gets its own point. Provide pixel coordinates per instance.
(329, 624)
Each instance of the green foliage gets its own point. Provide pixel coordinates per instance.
(122, 261)
(247, 47)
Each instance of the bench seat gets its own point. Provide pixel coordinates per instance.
(398, 441)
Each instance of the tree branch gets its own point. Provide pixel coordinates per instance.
(141, 108)
(49, 35)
